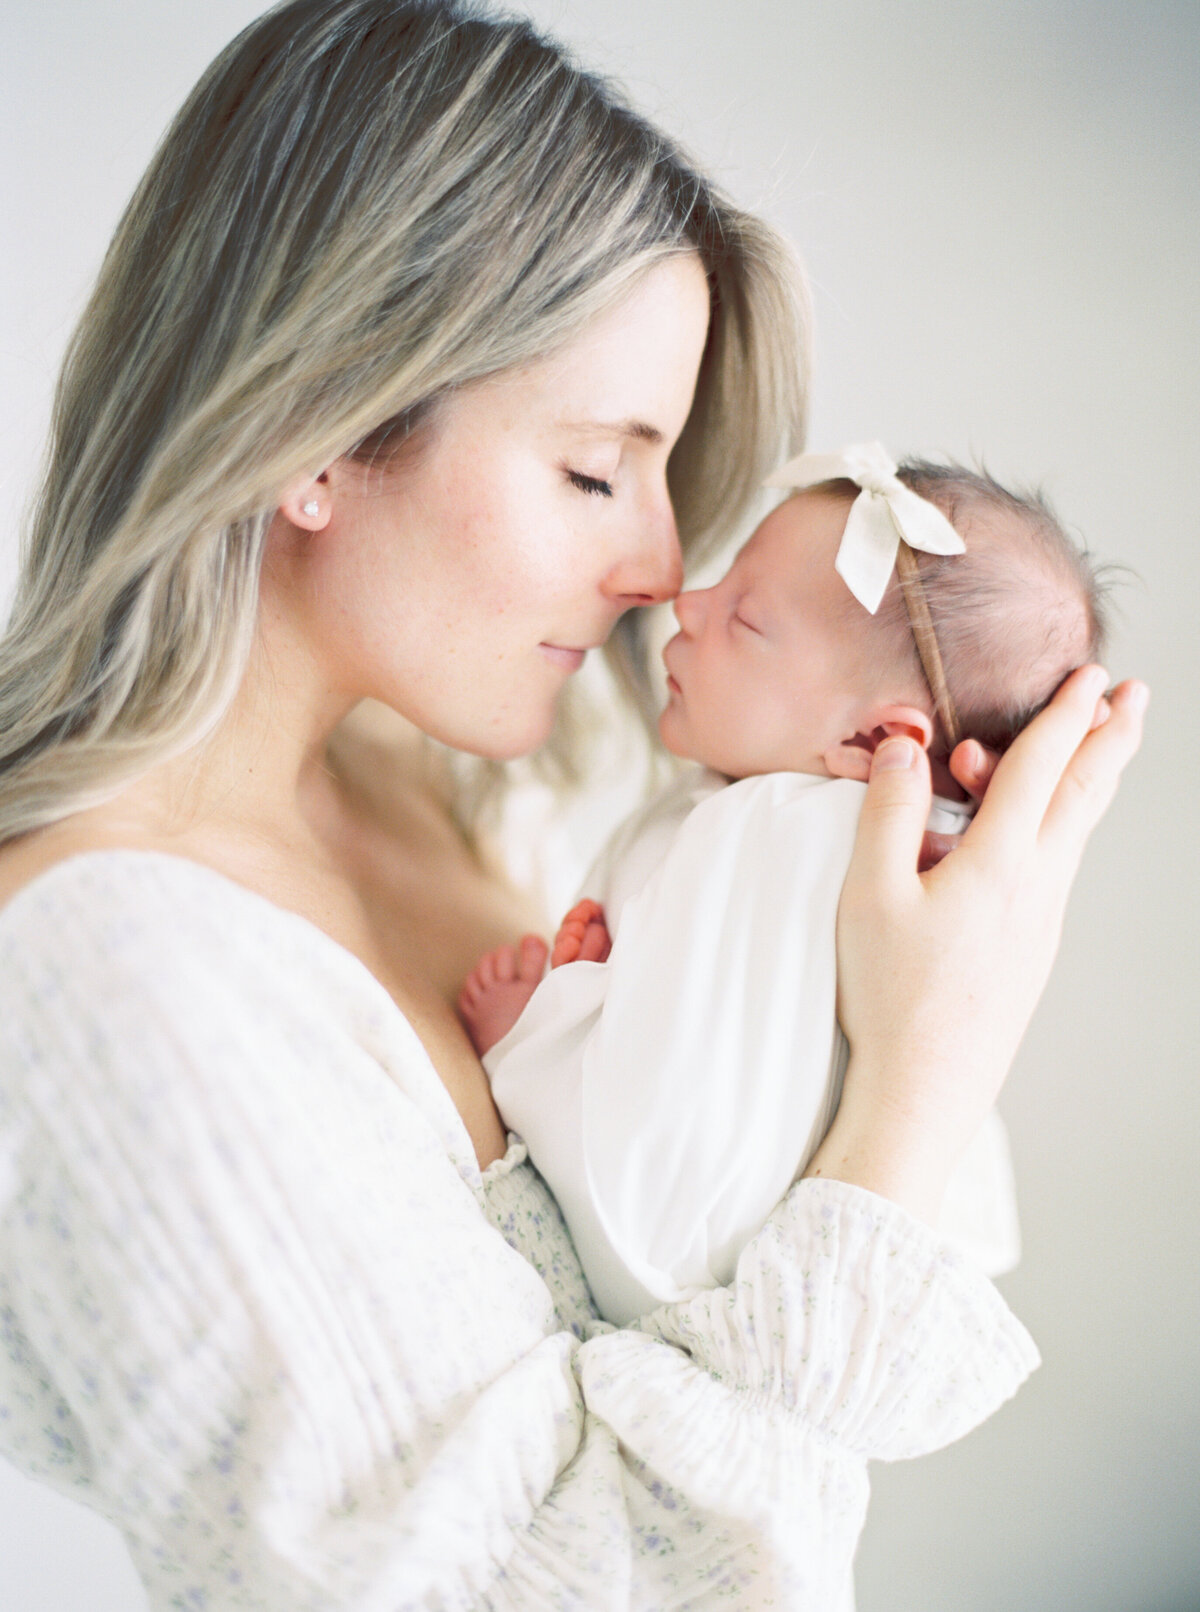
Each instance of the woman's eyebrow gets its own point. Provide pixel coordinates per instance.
(638, 429)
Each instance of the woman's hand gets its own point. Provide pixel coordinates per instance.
(939, 972)
(971, 766)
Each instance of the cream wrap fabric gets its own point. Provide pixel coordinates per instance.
(671, 1095)
(259, 1307)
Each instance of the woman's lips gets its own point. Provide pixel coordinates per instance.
(569, 659)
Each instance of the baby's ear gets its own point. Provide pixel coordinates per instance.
(851, 757)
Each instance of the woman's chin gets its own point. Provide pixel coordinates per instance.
(510, 741)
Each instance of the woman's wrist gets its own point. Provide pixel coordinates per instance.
(888, 1152)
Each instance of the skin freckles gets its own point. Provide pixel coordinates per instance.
(463, 589)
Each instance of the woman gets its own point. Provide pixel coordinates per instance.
(409, 356)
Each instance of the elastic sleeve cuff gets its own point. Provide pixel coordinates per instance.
(849, 1321)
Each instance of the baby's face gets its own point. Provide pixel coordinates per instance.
(773, 665)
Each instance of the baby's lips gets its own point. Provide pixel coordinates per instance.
(666, 650)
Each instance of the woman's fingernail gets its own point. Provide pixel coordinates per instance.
(893, 755)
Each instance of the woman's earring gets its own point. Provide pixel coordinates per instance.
(312, 508)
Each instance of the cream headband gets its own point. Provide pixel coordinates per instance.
(887, 521)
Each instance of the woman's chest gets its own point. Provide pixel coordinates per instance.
(432, 911)
(418, 910)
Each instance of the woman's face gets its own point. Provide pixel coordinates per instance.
(465, 587)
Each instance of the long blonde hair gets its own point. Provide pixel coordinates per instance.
(363, 205)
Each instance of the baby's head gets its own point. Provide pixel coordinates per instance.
(778, 668)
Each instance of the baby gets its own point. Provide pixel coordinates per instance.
(672, 1088)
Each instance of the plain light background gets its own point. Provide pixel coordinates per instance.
(997, 204)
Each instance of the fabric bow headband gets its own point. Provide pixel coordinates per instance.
(884, 512)
(887, 521)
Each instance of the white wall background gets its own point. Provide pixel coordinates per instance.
(998, 207)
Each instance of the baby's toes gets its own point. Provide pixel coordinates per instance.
(532, 959)
(595, 945)
(569, 942)
(475, 988)
(494, 968)
(585, 912)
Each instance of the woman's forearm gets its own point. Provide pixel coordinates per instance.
(899, 1156)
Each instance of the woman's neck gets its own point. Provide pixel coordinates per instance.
(257, 775)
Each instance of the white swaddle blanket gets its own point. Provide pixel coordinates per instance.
(671, 1095)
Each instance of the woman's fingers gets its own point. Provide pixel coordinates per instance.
(1091, 777)
(1010, 819)
(893, 818)
(972, 765)
(1051, 788)
(934, 847)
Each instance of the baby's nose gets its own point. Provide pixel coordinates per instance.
(689, 608)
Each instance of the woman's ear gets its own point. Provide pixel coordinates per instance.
(306, 503)
(851, 757)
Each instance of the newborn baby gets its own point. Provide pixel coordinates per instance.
(672, 1088)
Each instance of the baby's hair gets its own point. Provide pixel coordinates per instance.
(1015, 614)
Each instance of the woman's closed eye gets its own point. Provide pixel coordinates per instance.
(590, 484)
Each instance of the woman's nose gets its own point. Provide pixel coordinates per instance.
(652, 571)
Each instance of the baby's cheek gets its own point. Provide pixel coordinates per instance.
(668, 729)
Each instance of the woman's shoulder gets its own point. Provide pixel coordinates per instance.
(135, 969)
(27, 860)
(98, 885)
(103, 924)
(92, 862)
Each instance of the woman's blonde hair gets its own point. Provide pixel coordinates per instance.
(363, 205)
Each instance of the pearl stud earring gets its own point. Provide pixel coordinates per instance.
(312, 508)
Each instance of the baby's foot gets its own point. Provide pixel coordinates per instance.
(497, 990)
(582, 936)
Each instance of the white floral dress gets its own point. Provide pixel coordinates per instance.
(259, 1307)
